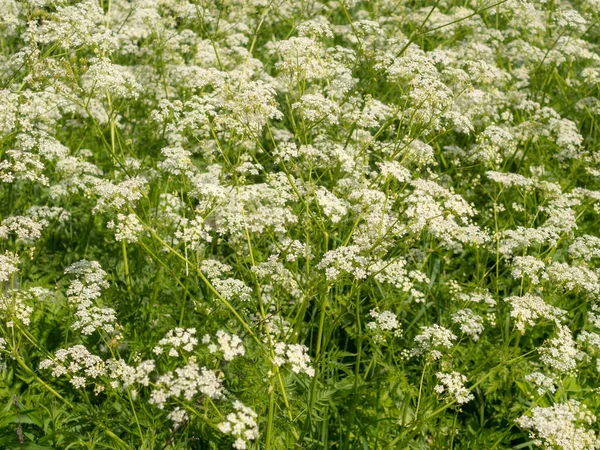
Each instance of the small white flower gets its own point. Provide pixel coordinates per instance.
(241, 424)
(452, 385)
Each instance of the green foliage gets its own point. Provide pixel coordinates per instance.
(327, 225)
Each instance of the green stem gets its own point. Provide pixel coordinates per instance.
(127, 274)
(137, 422)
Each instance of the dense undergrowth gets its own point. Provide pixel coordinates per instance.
(286, 224)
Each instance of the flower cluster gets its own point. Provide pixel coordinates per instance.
(312, 207)
(432, 340)
(230, 345)
(542, 382)
(452, 385)
(470, 323)
(561, 353)
(528, 309)
(187, 382)
(179, 339)
(385, 322)
(76, 362)
(83, 291)
(562, 426)
(241, 424)
(294, 354)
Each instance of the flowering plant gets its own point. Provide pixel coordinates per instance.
(298, 224)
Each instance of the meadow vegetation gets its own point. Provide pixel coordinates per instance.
(293, 224)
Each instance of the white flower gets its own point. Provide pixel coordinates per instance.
(570, 18)
(316, 108)
(344, 260)
(432, 339)
(542, 382)
(318, 27)
(194, 232)
(177, 161)
(530, 266)
(178, 416)
(585, 247)
(231, 288)
(8, 266)
(187, 381)
(76, 361)
(333, 207)
(394, 169)
(104, 77)
(574, 278)
(385, 321)
(229, 344)
(241, 424)
(561, 353)
(493, 144)
(294, 354)
(127, 228)
(88, 284)
(562, 426)
(452, 385)
(113, 196)
(27, 230)
(94, 318)
(470, 323)
(397, 274)
(82, 24)
(120, 371)
(78, 382)
(251, 106)
(529, 309)
(183, 339)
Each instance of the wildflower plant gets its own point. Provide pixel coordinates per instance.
(277, 224)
